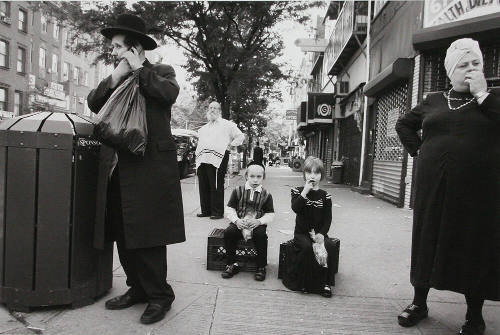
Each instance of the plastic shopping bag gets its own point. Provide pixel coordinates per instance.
(321, 254)
(122, 120)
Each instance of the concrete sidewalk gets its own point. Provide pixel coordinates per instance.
(372, 284)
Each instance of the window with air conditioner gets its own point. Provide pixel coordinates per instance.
(4, 10)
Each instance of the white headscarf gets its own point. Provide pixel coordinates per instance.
(457, 51)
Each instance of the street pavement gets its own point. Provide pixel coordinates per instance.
(372, 285)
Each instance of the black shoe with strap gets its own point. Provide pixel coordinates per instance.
(412, 315)
(472, 328)
(327, 291)
(230, 270)
(260, 274)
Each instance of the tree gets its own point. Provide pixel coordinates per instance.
(220, 38)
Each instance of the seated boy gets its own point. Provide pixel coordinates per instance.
(250, 209)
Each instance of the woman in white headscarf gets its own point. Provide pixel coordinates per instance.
(456, 223)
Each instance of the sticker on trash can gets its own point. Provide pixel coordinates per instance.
(86, 142)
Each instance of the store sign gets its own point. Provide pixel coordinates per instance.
(50, 101)
(55, 91)
(438, 12)
(291, 115)
(324, 110)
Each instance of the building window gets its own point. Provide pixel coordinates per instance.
(65, 37)
(86, 78)
(3, 99)
(65, 71)
(44, 23)
(4, 53)
(23, 18)
(42, 60)
(18, 103)
(76, 75)
(21, 60)
(57, 29)
(55, 64)
(4, 9)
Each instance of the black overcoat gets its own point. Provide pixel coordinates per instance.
(456, 224)
(150, 188)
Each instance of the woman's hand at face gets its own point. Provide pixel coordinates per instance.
(476, 81)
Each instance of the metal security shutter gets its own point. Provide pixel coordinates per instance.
(388, 161)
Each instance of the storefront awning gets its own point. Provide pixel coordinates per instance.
(441, 36)
(399, 70)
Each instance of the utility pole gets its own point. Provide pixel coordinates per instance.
(365, 105)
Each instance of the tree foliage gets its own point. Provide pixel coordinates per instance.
(231, 46)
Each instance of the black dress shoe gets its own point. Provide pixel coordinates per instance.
(470, 328)
(202, 215)
(230, 271)
(123, 301)
(216, 217)
(154, 313)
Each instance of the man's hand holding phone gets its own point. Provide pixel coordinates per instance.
(133, 57)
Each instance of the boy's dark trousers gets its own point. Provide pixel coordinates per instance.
(259, 237)
(212, 195)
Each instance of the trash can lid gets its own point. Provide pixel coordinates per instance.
(50, 122)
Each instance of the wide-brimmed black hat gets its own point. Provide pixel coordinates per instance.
(129, 24)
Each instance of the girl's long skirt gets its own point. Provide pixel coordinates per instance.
(304, 273)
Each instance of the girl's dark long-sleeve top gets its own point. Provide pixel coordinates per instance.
(313, 212)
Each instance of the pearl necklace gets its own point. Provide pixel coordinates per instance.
(448, 99)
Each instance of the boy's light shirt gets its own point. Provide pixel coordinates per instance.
(231, 214)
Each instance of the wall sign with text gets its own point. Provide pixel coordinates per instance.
(438, 12)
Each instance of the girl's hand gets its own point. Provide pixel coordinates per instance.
(319, 238)
(241, 224)
(307, 187)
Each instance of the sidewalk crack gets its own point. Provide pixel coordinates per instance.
(213, 312)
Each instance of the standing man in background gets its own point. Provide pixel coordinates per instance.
(212, 156)
(258, 154)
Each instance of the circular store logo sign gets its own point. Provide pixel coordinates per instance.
(324, 110)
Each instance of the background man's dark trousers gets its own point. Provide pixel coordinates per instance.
(259, 237)
(211, 185)
(145, 268)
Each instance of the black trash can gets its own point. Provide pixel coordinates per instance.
(48, 184)
(337, 169)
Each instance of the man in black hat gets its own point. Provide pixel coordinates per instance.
(139, 201)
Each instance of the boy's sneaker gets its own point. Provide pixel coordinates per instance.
(260, 274)
(230, 270)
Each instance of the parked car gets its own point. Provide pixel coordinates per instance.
(186, 141)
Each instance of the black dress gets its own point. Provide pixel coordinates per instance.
(456, 223)
(315, 212)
